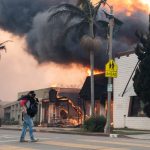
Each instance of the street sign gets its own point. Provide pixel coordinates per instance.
(111, 69)
(109, 88)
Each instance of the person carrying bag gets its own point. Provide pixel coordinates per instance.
(29, 105)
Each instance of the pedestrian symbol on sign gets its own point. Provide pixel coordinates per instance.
(111, 65)
(111, 69)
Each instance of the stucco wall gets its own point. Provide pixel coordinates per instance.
(126, 66)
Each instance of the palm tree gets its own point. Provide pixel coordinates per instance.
(84, 15)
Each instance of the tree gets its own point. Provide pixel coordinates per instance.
(142, 75)
(2, 46)
(83, 16)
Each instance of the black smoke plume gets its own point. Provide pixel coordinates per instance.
(17, 16)
(29, 18)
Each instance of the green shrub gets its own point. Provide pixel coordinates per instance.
(36, 123)
(95, 124)
(10, 122)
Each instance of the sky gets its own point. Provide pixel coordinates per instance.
(20, 71)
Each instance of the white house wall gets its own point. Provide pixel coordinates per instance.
(126, 65)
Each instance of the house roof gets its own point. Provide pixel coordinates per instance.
(125, 53)
(100, 87)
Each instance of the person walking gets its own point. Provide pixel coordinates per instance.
(29, 105)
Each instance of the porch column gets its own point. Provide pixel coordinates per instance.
(41, 113)
(49, 114)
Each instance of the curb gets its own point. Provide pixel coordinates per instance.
(60, 132)
(72, 132)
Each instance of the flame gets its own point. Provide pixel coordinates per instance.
(76, 108)
(96, 71)
(79, 111)
(129, 6)
(74, 121)
(53, 85)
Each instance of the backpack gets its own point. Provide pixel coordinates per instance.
(33, 108)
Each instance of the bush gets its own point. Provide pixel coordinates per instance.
(0, 122)
(9, 122)
(36, 123)
(95, 124)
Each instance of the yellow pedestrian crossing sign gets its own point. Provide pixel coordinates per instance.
(111, 69)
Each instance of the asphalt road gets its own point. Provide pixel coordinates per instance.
(9, 140)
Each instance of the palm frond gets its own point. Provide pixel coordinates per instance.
(71, 34)
(96, 8)
(70, 17)
(87, 7)
(66, 9)
(101, 28)
(74, 21)
(66, 15)
(70, 28)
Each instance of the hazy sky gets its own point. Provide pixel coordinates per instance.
(20, 72)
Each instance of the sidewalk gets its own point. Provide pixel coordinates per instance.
(137, 134)
(133, 133)
(55, 130)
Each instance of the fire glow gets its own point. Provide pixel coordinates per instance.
(146, 2)
(78, 110)
(96, 71)
(129, 6)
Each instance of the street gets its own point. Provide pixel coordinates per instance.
(49, 141)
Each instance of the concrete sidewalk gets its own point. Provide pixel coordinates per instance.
(134, 133)
(55, 130)
(137, 134)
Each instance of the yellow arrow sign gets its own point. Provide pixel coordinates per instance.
(111, 69)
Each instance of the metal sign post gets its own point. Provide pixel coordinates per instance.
(109, 90)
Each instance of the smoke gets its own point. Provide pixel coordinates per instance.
(16, 16)
(45, 40)
(138, 21)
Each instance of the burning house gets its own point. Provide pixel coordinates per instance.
(100, 89)
(63, 107)
(58, 106)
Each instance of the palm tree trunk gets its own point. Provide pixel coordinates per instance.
(92, 70)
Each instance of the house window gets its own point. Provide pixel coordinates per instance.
(135, 109)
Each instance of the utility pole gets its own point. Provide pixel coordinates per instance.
(92, 82)
(91, 32)
(109, 86)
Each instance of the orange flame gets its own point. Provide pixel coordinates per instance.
(129, 6)
(54, 85)
(96, 71)
(76, 108)
(74, 122)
